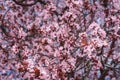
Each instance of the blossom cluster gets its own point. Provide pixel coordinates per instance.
(59, 40)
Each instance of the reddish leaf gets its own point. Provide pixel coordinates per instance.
(37, 72)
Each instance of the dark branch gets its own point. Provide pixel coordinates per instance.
(25, 4)
(21, 3)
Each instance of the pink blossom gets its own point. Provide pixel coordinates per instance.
(59, 40)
